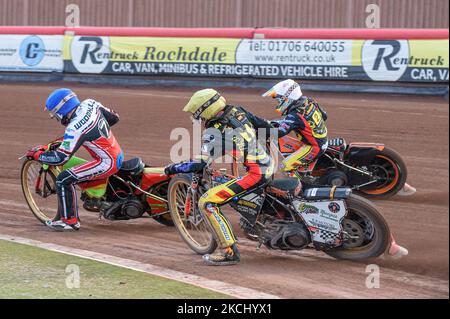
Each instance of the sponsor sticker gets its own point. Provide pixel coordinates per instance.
(68, 137)
(222, 226)
(334, 207)
(308, 209)
(65, 145)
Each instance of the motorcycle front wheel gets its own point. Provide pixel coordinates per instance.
(187, 218)
(39, 189)
(367, 233)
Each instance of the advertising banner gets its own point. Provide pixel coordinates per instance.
(142, 55)
(31, 53)
(314, 59)
(403, 60)
(371, 60)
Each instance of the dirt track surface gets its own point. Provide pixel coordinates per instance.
(417, 127)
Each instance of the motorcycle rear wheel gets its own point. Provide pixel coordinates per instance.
(391, 165)
(193, 229)
(43, 208)
(363, 216)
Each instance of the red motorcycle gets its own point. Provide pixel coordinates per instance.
(137, 190)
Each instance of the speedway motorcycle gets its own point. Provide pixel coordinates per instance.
(282, 215)
(135, 191)
(370, 169)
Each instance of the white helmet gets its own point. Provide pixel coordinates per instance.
(287, 92)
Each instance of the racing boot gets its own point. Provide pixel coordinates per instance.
(231, 256)
(396, 251)
(64, 224)
(407, 190)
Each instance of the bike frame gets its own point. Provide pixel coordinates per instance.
(207, 174)
(288, 145)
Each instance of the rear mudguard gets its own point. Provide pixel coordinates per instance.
(153, 176)
(362, 154)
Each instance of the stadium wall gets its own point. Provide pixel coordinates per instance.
(228, 14)
(370, 55)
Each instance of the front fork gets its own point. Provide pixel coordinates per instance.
(190, 201)
(45, 190)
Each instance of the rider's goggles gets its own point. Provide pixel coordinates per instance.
(281, 99)
(273, 94)
(54, 112)
(204, 106)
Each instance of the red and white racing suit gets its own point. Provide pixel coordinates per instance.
(89, 127)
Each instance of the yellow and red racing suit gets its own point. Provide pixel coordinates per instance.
(307, 120)
(232, 132)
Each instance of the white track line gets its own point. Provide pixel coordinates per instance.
(214, 285)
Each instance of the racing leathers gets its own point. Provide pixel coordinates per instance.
(232, 132)
(307, 120)
(89, 126)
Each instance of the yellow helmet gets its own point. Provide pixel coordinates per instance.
(205, 104)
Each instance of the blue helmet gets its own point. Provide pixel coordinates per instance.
(60, 102)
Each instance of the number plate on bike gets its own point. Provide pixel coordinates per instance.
(323, 219)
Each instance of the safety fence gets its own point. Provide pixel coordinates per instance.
(403, 55)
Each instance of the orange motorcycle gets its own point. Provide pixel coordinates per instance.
(371, 169)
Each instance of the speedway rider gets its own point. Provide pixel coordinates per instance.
(226, 124)
(87, 124)
(305, 118)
